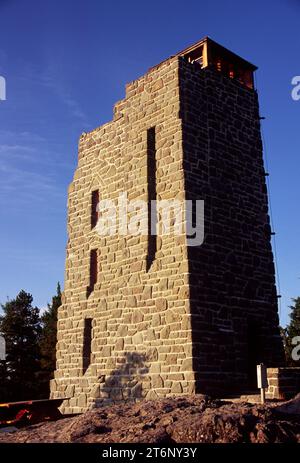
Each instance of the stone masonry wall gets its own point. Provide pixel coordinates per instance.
(141, 332)
(284, 383)
(232, 279)
(198, 319)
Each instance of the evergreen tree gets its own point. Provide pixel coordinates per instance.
(284, 337)
(291, 331)
(49, 338)
(5, 392)
(20, 326)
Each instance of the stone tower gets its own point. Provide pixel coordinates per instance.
(145, 315)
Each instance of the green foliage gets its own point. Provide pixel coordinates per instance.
(4, 389)
(20, 325)
(291, 331)
(293, 328)
(30, 348)
(49, 336)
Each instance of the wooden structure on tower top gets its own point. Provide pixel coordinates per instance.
(208, 53)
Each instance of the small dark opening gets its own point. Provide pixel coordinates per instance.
(94, 208)
(87, 344)
(196, 56)
(151, 182)
(233, 68)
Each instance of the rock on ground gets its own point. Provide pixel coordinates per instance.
(183, 419)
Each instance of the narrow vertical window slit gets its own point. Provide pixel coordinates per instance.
(151, 185)
(87, 344)
(93, 271)
(94, 208)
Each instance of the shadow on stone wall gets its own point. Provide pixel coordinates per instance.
(125, 382)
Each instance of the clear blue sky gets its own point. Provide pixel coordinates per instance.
(66, 62)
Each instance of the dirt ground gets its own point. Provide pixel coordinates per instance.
(184, 419)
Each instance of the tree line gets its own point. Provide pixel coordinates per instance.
(291, 335)
(30, 343)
